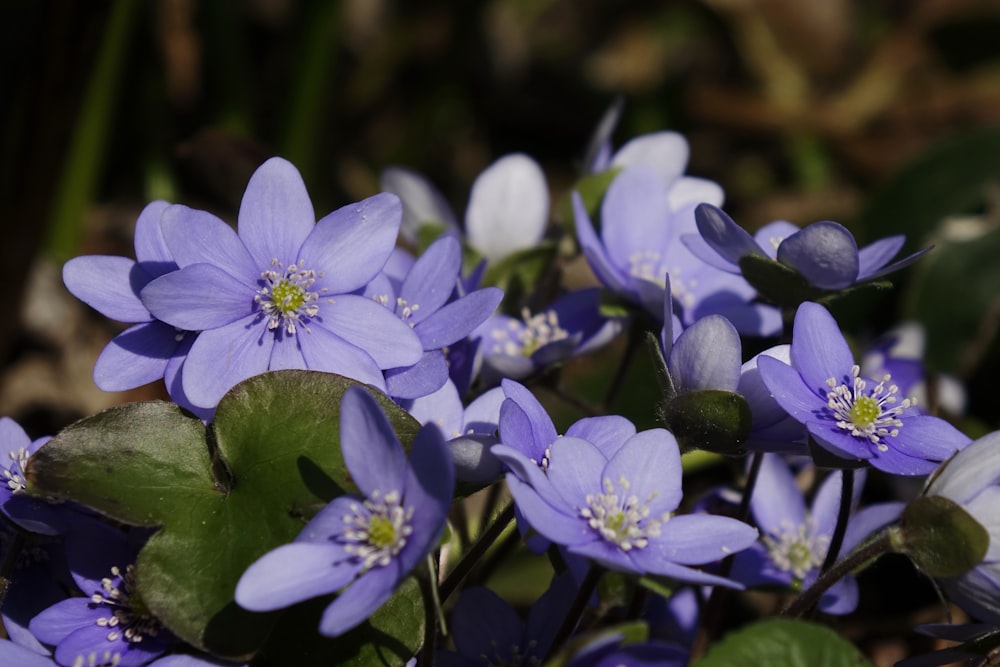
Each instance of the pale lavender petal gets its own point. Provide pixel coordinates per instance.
(198, 297)
(700, 248)
(819, 351)
(442, 407)
(575, 470)
(371, 450)
(777, 502)
(12, 654)
(423, 378)
(198, 237)
(109, 285)
(605, 553)
(276, 214)
(826, 503)
(723, 235)
(135, 357)
(593, 249)
(707, 355)
(220, 358)
(928, 437)
(459, 318)
(328, 352)
(373, 328)
(430, 484)
(896, 462)
(875, 255)
(896, 266)
(693, 539)
(422, 202)
(289, 574)
(286, 353)
(360, 600)
(432, 279)
(666, 153)
(841, 443)
(508, 207)
(651, 462)
(824, 253)
(635, 217)
(55, 623)
(552, 522)
(328, 524)
(349, 246)
(608, 432)
(150, 246)
(983, 509)
(483, 414)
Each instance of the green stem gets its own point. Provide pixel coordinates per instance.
(867, 552)
(433, 613)
(576, 611)
(846, 501)
(476, 551)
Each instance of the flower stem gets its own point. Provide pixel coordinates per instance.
(476, 551)
(875, 547)
(433, 613)
(846, 501)
(580, 602)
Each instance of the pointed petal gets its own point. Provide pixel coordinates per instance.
(276, 214)
(539, 424)
(508, 207)
(693, 539)
(723, 235)
(459, 318)
(819, 351)
(289, 574)
(432, 279)
(371, 450)
(875, 255)
(788, 389)
(369, 326)
(825, 253)
(328, 352)
(109, 285)
(351, 245)
(198, 297)
(423, 378)
(593, 249)
(927, 437)
(550, 521)
(840, 442)
(430, 484)
(150, 247)
(135, 357)
(896, 266)
(826, 503)
(777, 502)
(196, 237)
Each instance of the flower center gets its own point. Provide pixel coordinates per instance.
(796, 549)
(14, 475)
(377, 529)
(871, 414)
(128, 620)
(285, 297)
(621, 518)
(526, 337)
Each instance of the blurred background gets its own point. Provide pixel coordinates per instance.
(883, 115)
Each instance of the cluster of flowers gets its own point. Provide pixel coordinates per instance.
(210, 307)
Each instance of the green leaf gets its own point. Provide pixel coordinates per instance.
(520, 272)
(710, 419)
(223, 495)
(784, 643)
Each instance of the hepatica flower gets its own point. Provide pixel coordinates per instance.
(618, 510)
(29, 513)
(364, 544)
(278, 293)
(824, 253)
(851, 416)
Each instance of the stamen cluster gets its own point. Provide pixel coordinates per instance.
(285, 298)
(865, 413)
(377, 529)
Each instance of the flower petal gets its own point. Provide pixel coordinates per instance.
(109, 285)
(459, 318)
(777, 502)
(875, 255)
(369, 326)
(970, 471)
(508, 207)
(819, 351)
(664, 152)
(575, 470)
(136, 356)
(289, 574)
(360, 600)
(422, 202)
(432, 279)
(788, 389)
(198, 297)
(528, 429)
(723, 235)
(423, 378)
(593, 249)
(550, 521)
(371, 450)
(607, 432)
(198, 237)
(430, 484)
(635, 217)
(824, 253)
(328, 352)
(220, 358)
(351, 245)
(707, 355)
(651, 462)
(693, 539)
(276, 214)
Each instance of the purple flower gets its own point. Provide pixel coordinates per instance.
(573, 325)
(849, 416)
(422, 294)
(364, 544)
(824, 253)
(618, 510)
(487, 629)
(108, 622)
(608, 651)
(279, 294)
(642, 222)
(150, 349)
(771, 428)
